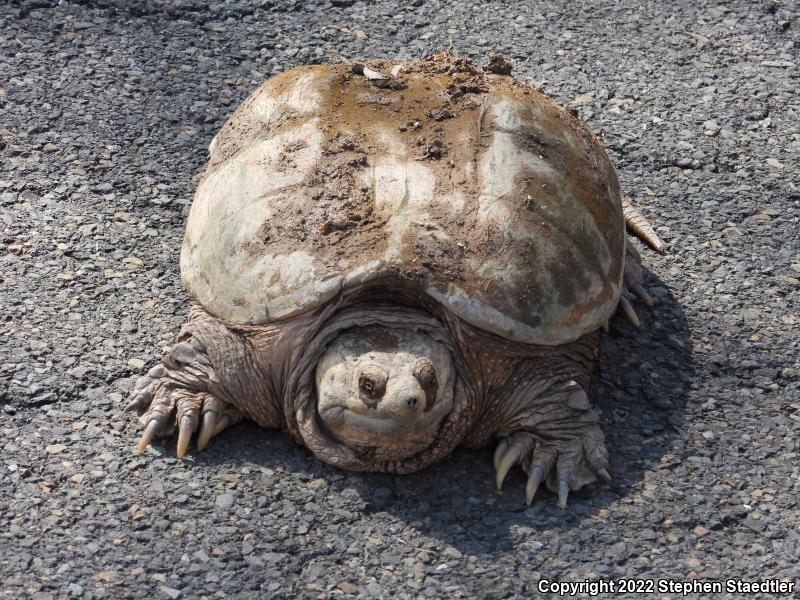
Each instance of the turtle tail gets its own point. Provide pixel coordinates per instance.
(639, 225)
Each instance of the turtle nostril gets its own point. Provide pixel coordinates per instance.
(411, 402)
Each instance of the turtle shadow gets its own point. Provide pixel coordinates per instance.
(640, 382)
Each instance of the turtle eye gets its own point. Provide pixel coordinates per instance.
(371, 384)
(367, 386)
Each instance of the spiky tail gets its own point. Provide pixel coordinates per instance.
(639, 225)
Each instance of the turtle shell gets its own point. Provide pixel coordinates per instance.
(485, 194)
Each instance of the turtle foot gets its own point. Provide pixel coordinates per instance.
(187, 411)
(163, 404)
(563, 465)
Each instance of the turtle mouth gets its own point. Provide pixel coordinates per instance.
(339, 416)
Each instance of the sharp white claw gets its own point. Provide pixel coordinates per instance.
(536, 476)
(627, 308)
(508, 460)
(184, 435)
(148, 435)
(133, 405)
(639, 290)
(224, 422)
(502, 445)
(207, 429)
(563, 493)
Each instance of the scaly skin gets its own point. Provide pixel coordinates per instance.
(635, 221)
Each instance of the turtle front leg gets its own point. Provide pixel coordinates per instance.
(175, 394)
(633, 286)
(556, 440)
(212, 377)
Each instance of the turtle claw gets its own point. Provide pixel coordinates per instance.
(148, 435)
(216, 418)
(185, 432)
(134, 405)
(509, 458)
(224, 422)
(535, 478)
(641, 293)
(502, 446)
(629, 312)
(207, 430)
(563, 493)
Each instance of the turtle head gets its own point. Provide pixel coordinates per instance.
(384, 392)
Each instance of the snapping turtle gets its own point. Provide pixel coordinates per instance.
(395, 259)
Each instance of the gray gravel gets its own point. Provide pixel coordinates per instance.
(106, 109)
